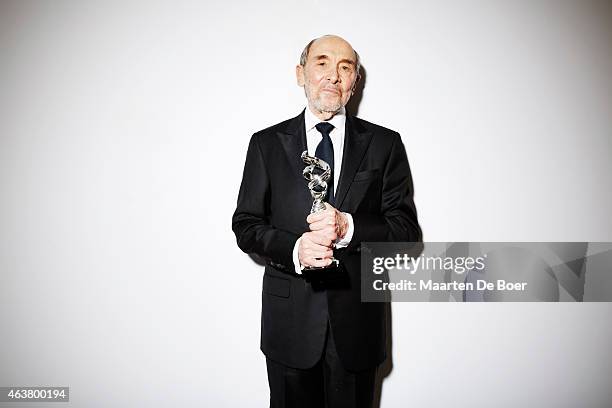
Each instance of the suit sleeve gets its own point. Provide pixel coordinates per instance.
(251, 222)
(397, 220)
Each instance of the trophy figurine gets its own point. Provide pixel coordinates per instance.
(317, 172)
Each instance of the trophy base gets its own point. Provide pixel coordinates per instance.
(332, 265)
(321, 274)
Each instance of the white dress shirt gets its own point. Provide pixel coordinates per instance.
(313, 138)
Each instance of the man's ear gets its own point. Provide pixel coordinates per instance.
(299, 75)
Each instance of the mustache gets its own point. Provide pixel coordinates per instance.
(331, 88)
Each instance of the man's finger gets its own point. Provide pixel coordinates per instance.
(315, 240)
(323, 254)
(323, 225)
(318, 239)
(309, 253)
(319, 215)
(329, 207)
(314, 217)
(328, 234)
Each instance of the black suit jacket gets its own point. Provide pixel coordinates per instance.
(375, 186)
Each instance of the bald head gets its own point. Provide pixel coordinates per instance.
(306, 51)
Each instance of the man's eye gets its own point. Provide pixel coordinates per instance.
(346, 68)
(321, 63)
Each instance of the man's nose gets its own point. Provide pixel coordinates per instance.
(333, 75)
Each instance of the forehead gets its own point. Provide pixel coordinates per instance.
(331, 47)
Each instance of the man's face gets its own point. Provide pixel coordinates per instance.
(329, 75)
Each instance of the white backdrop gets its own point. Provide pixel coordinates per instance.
(123, 133)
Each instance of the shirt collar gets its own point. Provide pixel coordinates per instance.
(338, 120)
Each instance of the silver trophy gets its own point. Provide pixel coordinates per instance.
(317, 172)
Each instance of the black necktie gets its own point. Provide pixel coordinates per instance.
(325, 152)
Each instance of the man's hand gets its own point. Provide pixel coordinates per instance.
(314, 250)
(316, 246)
(330, 223)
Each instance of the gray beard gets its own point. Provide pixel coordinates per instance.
(333, 109)
(326, 108)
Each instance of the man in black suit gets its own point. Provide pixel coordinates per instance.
(322, 344)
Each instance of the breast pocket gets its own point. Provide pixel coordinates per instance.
(366, 175)
(365, 192)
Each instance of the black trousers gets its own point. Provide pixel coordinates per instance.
(326, 385)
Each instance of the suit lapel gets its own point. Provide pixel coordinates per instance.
(293, 139)
(356, 142)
